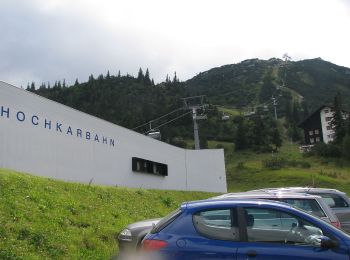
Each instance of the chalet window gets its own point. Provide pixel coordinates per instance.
(326, 111)
(146, 166)
(328, 118)
(329, 127)
(312, 140)
(317, 139)
(317, 131)
(311, 132)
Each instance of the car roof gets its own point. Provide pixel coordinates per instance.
(218, 203)
(267, 195)
(302, 189)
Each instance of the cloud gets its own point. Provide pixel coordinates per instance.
(51, 40)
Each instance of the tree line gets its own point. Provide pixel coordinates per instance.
(131, 101)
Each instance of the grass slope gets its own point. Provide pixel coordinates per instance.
(245, 170)
(47, 219)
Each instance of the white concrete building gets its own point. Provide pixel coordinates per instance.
(45, 138)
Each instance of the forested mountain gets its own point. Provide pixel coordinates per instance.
(255, 81)
(250, 86)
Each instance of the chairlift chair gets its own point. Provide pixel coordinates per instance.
(154, 133)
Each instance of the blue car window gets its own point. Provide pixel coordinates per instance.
(217, 224)
(273, 226)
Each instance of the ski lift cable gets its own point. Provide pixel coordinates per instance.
(157, 118)
(170, 121)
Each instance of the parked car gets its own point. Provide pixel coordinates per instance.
(244, 229)
(338, 201)
(312, 204)
(130, 238)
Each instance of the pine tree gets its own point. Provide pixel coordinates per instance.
(338, 122)
(258, 131)
(296, 113)
(289, 111)
(240, 137)
(140, 76)
(100, 77)
(346, 140)
(91, 78)
(76, 83)
(276, 138)
(32, 87)
(175, 79)
(119, 74)
(108, 76)
(305, 109)
(147, 80)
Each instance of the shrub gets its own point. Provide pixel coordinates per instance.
(219, 146)
(240, 165)
(274, 164)
(326, 150)
(346, 146)
(305, 165)
(178, 141)
(167, 201)
(277, 163)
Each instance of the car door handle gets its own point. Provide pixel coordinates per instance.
(251, 253)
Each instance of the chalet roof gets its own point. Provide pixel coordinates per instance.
(302, 123)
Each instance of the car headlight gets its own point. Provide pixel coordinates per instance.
(125, 235)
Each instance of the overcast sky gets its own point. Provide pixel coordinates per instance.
(48, 40)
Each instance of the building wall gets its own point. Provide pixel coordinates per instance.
(312, 130)
(326, 115)
(43, 137)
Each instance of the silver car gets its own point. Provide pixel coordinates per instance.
(130, 238)
(312, 204)
(338, 201)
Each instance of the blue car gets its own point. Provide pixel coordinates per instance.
(244, 229)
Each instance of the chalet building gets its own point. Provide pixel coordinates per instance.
(317, 127)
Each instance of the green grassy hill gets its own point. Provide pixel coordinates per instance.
(47, 219)
(246, 170)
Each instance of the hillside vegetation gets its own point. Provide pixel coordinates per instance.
(298, 88)
(246, 170)
(47, 219)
